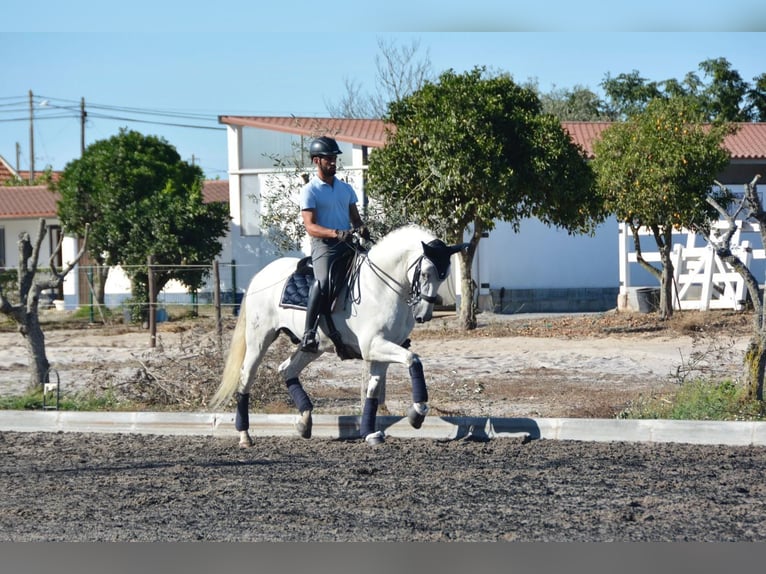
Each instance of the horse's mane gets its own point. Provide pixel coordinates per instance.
(401, 243)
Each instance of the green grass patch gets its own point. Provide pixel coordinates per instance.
(699, 400)
(83, 401)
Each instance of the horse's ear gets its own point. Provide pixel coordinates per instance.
(458, 247)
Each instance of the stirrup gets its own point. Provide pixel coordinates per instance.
(310, 343)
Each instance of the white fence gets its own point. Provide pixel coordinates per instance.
(702, 280)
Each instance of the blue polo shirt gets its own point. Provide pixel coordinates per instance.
(331, 202)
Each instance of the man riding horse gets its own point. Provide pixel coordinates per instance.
(330, 215)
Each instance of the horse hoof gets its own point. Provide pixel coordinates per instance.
(416, 419)
(375, 438)
(246, 443)
(304, 425)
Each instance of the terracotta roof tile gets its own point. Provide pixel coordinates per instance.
(26, 202)
(748, 143)
(356, 131)
(585, 133)
(216, 190)
(6, 171)
(33, 201)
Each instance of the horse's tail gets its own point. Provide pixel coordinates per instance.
(231, 371)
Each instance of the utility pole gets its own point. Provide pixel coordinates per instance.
(18, 155)
(31, 141)
(82, 126)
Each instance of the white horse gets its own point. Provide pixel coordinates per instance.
(393, 286)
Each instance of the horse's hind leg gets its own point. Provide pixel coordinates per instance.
(253, 357)
(375, 395)
(289, 370)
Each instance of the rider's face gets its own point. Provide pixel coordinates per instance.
(327, 165)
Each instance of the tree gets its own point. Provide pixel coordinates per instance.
(578, 104)
(141, 199)
(752, 207)
(25, 311)
(399, 72)
(721, 96)
(756, 99)
(472, 149)
(656, 170)
(628, 94)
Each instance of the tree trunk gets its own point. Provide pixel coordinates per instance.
(100, 275)
(755, 361)
(467, 309)
(467, 285)
(35, 343)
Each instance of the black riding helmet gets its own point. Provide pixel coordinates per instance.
(324, 147)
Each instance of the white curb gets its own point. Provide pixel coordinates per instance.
(347, 427)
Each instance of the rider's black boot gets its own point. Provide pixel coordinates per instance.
(310, 344)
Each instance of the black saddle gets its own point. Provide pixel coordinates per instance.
(295, 294)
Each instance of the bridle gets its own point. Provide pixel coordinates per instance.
(416, 294)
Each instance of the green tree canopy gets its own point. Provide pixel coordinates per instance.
(141, 199)
(471, 149)
(657, 170)
(720, 95)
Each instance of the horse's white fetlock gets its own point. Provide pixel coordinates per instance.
(245, 440)
(304, 424)
(374, 438)
(416, 414)
(421, 408)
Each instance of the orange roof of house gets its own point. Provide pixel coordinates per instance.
(748, 143)
(6, 171)
(34, 201)
(356, 131)
(26, 202)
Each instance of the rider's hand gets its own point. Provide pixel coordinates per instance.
(343, 235)
(363, 232)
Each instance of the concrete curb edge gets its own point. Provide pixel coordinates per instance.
(735, 433)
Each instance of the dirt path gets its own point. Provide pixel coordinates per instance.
(589, 375)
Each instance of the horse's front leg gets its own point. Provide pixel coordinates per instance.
(384, 351)
(374, 396)
(416, 413)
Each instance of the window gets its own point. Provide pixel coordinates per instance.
(2, 247)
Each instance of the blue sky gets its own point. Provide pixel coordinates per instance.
(217, 65)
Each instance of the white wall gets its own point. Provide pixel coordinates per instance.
(544, 257)
(13, 229)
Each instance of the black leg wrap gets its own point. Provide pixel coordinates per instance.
(242, 420)
(299, 396)
(419, 391)
(367, 425)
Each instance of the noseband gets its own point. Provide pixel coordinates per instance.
(415, 289)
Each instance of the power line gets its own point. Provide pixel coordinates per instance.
(71, 109)
(125, 119)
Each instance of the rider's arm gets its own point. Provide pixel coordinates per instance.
(353, 214)
(313, 228)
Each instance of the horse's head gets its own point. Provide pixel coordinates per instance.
(431, 269)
